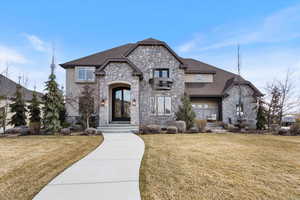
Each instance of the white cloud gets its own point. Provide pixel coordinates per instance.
(190, 45)
(283, 25)
(34, 66)
(259, 66)
(10, 56)
(37, 43)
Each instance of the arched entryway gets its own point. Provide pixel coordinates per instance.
(121, 103)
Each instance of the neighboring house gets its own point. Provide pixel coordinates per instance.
(143, 83)
(7, 93)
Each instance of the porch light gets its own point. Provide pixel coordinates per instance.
(134, 102)
(102, 102)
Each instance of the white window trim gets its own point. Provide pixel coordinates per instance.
(87, 68)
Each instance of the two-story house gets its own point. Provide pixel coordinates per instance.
(143, 82)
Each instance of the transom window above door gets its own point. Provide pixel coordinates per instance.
(161, 73)
(85, 74)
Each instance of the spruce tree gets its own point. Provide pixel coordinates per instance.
(52, 106)
(62, 111)
(261, 116)
(18, 108)
(34, 109)
(273, 115)
(185, 112)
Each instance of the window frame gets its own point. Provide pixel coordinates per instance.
(154, 106)
(160, 72)
(239, 109)
(86, 69)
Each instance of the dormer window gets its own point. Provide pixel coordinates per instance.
(161, 73)
(85, 74)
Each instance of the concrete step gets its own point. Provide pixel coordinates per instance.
(213, 125)
(118, 125)
(118, 128)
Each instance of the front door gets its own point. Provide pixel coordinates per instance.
(121, 104)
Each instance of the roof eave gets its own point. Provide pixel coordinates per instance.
(136, 70)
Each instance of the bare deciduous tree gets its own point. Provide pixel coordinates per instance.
(85, 103)
(281, 99)
(288, 101)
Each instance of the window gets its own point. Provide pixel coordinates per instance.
(161, 73)
(160, 105)
(199, 78)
(85, 74)
(240, 109)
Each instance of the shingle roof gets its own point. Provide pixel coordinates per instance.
(8, 88)
(222, 79)
(98, 59)
(136, 70)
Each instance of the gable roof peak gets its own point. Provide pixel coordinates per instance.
(150, 40)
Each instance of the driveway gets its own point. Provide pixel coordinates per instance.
(110, 172)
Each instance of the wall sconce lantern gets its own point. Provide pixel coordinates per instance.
(134, 102)
(102, 102)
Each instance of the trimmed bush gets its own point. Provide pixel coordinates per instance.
(25, 131)
(76, 127)
(295, 129)
(90, 131)
(35, 127)
(232, 128)
(193, 130)
(153, 128)
(274, 127)
(201, 124)
(65, 131)
(12, 131)
(181, 125)
(172, 130)
(142, 129)
(283, 131)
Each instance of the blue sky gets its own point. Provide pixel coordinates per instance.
(268, 31)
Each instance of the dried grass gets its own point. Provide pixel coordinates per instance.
(27, 164)
(220, 167)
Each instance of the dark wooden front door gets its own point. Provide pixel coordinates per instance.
(121, 104)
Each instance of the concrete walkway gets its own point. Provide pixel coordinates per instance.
(111, 172)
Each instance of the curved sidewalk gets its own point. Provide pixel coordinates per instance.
(110, 172)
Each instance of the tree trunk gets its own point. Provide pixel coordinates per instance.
(87, 122)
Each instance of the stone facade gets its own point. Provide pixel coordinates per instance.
(249, 103)
(147, 58)
(135, 69)
(117, 74)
